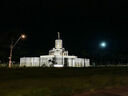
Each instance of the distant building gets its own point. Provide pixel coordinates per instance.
(57, 57)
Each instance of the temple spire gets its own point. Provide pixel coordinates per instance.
(58, 35)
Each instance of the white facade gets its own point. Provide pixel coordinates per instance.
(29, 61)
(57, 57)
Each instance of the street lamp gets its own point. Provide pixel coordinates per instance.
(22, 36)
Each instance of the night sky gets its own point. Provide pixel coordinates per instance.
(82, 25)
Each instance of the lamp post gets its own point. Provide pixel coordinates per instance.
(22, 36)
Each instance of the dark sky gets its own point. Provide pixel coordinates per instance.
(82, 24)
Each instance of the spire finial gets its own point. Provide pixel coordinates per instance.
(58, 35)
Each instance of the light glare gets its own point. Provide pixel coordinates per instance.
(103, 44)
(23, 36)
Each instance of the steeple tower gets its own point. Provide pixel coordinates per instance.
(58, 42)
(58, 35)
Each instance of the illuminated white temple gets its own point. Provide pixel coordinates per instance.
(57, 57)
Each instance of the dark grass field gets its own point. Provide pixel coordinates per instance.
(59, 81)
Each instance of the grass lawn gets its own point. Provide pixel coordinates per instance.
(59, 81)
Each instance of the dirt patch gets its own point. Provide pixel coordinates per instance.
(121, 91)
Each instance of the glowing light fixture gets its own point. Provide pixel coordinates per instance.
(103, 44)
(23, 36)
